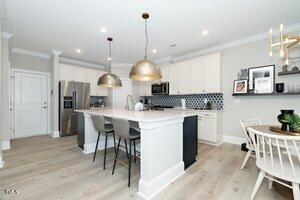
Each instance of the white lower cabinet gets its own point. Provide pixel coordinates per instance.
(210, 128)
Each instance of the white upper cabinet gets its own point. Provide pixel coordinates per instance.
(174, 78)
(197, 76)
(212, 73)
(185, 79)
(82, 74)
(193, 76)
(92, 77)
(65, 72)
(165, 73)
(79, 74)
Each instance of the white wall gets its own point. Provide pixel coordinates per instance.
(27, 62)
(5, 84)
(1, 155)
(265, 108)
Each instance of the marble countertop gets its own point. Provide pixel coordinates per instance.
(139, 116)
(193, 110)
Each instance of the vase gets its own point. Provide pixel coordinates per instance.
(285, 126)
(279, 87)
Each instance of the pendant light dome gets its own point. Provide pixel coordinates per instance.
(109, 79)
(145, 70)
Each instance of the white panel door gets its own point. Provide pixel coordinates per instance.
(31, 109)
(120, 94)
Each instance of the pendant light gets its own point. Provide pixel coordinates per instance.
(145, 70)
(109, 79)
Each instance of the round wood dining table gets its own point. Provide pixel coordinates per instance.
(284, 191)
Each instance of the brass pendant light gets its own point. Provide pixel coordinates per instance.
(109, 79)
(145, 70)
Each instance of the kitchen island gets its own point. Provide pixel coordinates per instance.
(161, 144)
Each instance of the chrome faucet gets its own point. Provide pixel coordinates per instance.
(129, 104)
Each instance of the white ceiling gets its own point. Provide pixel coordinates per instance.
(65, 25)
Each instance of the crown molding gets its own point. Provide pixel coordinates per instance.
(122, 64)
(6, 35)
(30, 53)
(56, 52)
(240, 42)
(81, 63)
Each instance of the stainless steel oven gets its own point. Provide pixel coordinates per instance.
(160, 88)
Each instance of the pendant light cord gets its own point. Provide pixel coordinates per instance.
(109, 58)
(146, 34)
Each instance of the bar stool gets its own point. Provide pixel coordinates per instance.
(122, 130)
(105, 128)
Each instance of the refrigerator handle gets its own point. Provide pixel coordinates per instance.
(74, 100)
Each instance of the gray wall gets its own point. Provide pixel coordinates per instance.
(265, 108)
(27, 62)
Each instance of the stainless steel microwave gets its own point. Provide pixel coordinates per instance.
(160, 88)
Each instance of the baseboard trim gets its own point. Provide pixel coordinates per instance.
(6, 145)
(54, 134)
(1, 162)
(149, 189)
(233, 140)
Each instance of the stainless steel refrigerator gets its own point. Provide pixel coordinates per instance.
(72, 96)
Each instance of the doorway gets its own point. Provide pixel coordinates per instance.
(30, 99)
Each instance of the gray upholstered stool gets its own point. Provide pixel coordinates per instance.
(101, 126)
(122, 130)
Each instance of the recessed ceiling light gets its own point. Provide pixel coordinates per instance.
(204, 33)
(78, 50)
(103, 30)
(154, 51)
(108, 58)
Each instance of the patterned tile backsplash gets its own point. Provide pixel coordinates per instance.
(192, 100)
(94, 99)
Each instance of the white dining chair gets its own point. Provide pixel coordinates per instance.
(282, 161)
(245, 124)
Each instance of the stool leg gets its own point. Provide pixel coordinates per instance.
(134, 151)
(114, 136)
(116, 156)
(129, 168)
(105, 146)
(126, 148)
(96, 147)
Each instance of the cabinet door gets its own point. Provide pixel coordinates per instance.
(174, 78)
(65, 72)
(145, 88)
(101, 91)
(185, 80)
(212, 73)
(197, 76)
(79, 74)
(165, 73)
(207, 129)
(92, 78)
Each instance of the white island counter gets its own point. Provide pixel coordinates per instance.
(161, 144)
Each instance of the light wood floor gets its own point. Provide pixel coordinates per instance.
(46, 168)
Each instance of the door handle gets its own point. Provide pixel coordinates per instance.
(44, 107)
